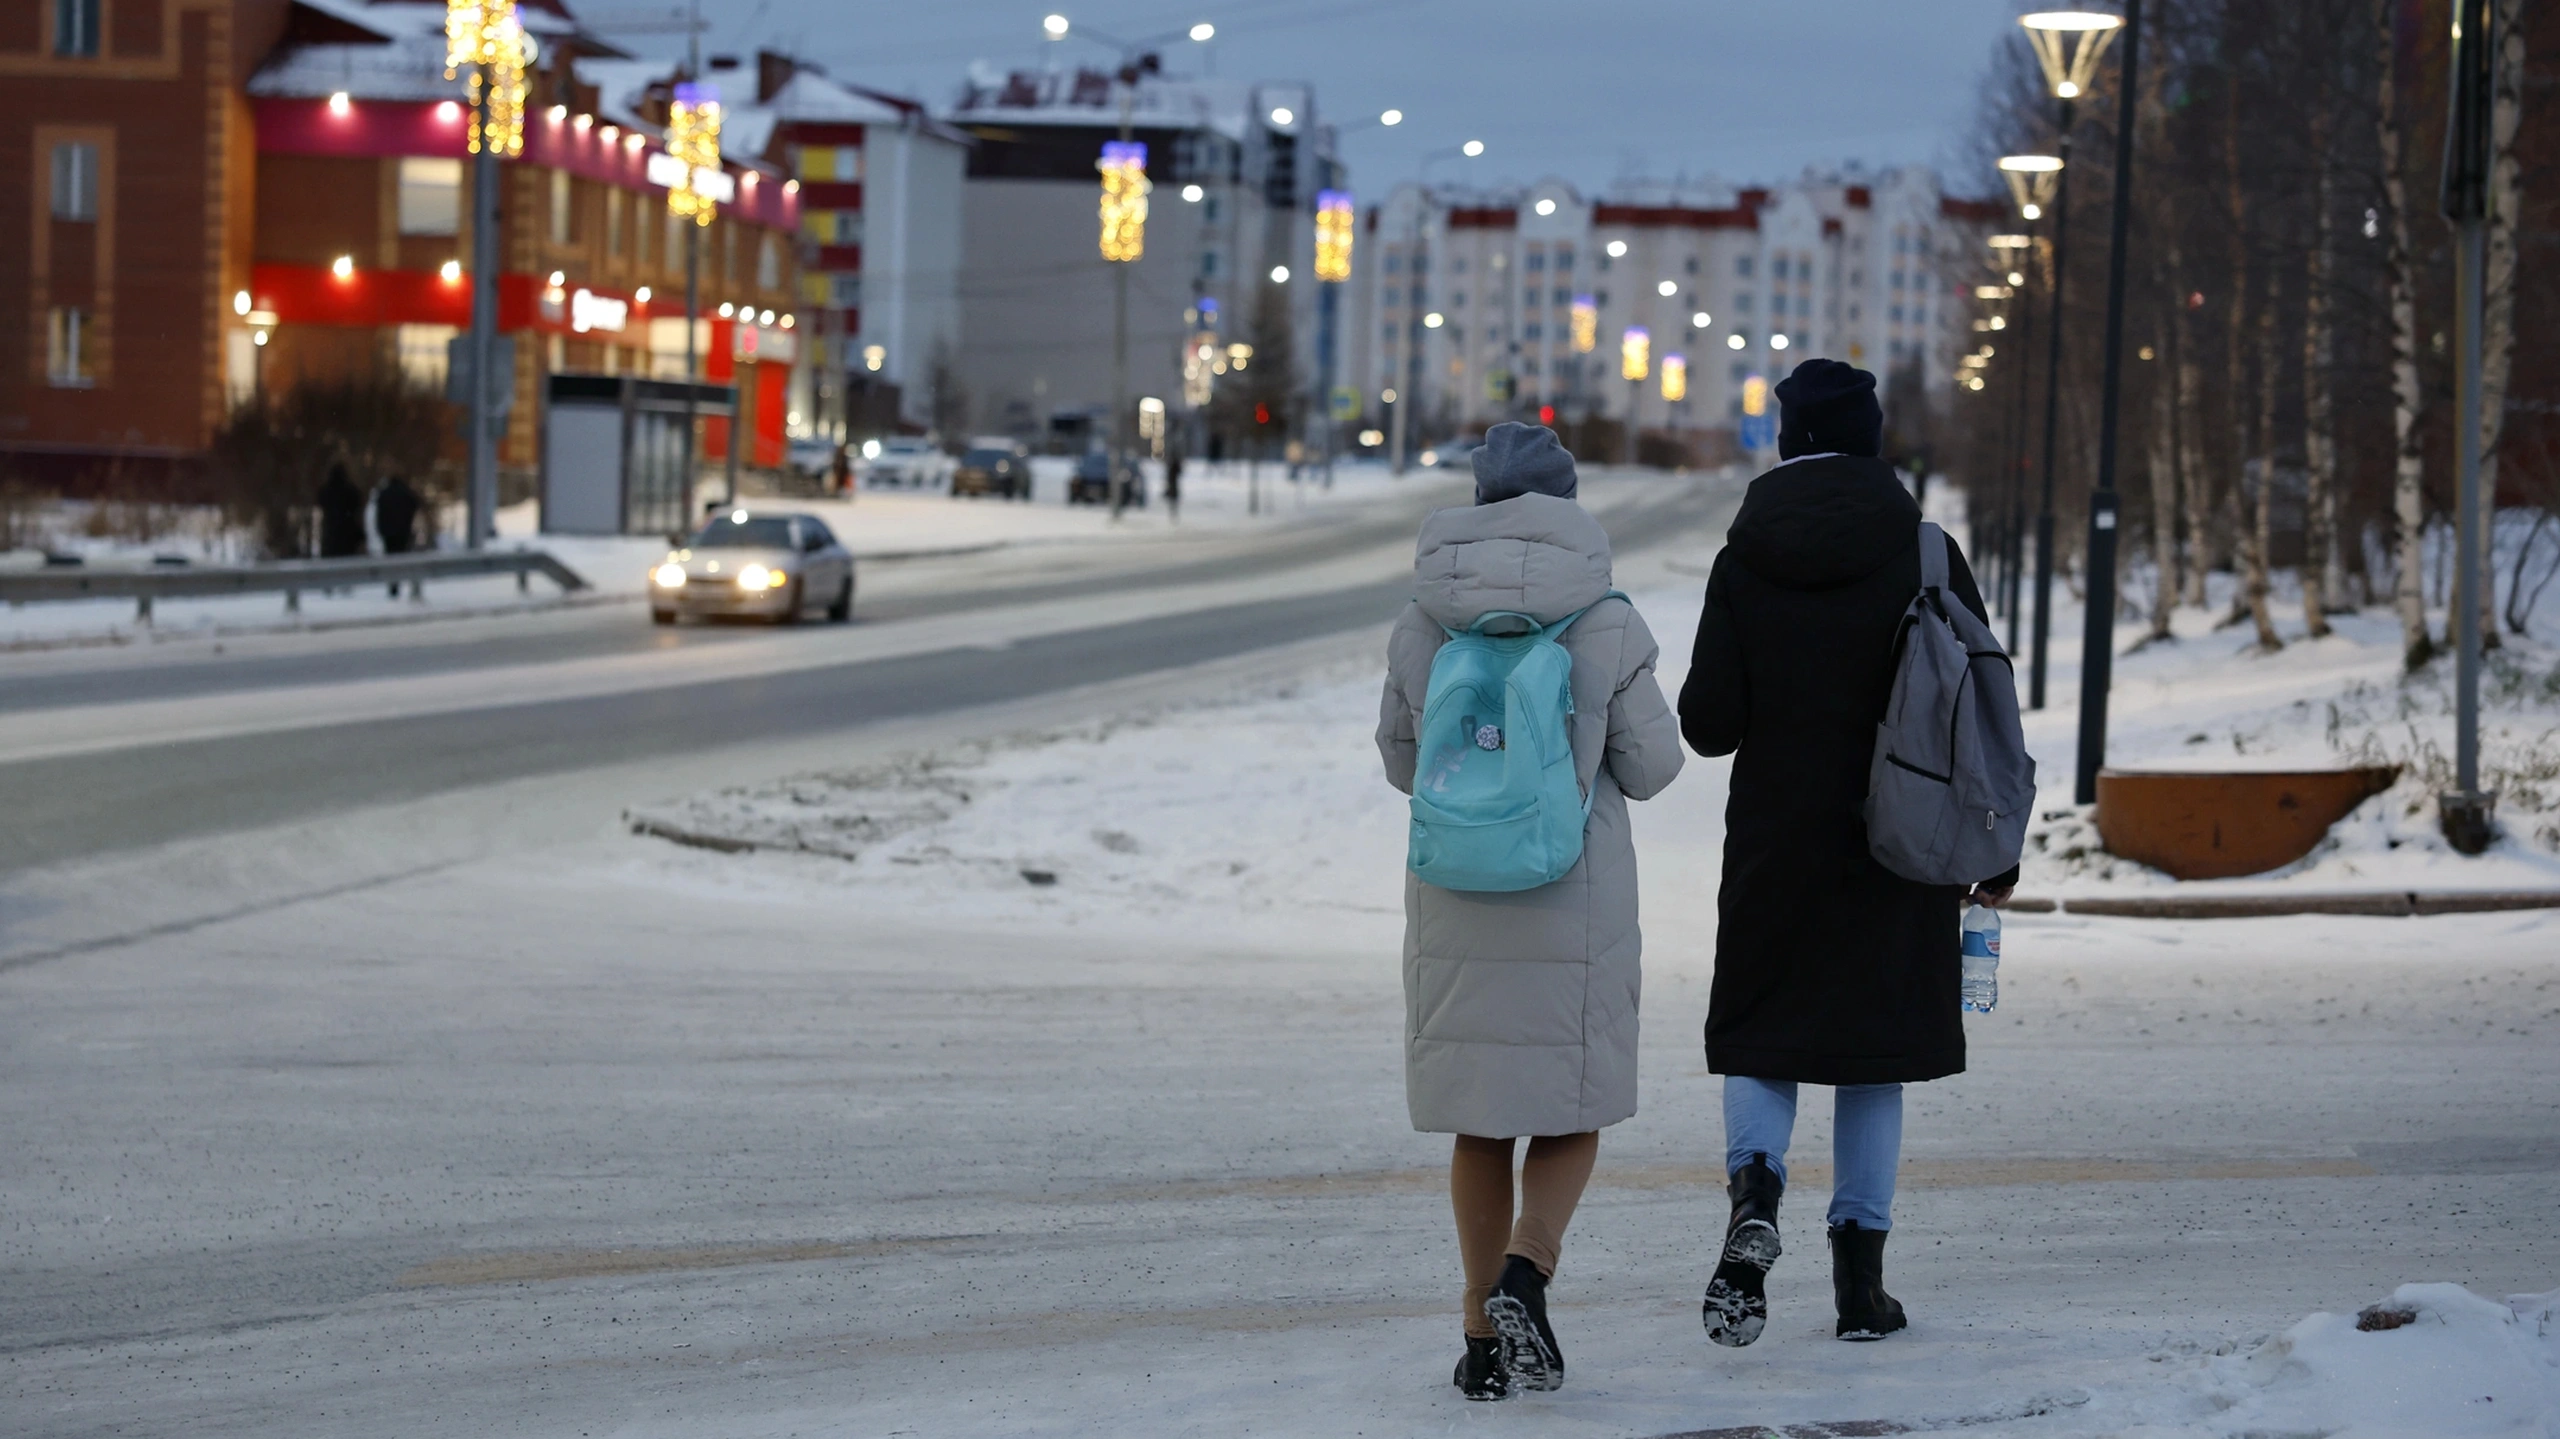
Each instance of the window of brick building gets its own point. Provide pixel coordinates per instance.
(612, 220)
(563, 207)
(640, 232)
(769, 264)
(75, 181)
(75, 27)
(430, 196)
(68, 342)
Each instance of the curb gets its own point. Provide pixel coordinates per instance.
(2395, 904)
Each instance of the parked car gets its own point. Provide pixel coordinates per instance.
(812, 457)
(755, 565)
(994, 466)
(909, 464)
(1455, 454)
(1091, 482)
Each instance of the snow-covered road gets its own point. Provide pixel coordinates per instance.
(476, 1113)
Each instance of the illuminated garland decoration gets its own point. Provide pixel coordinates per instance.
(487, 36)
(1586, 325)
(693, 136)
(1333, 235)
(1635, 353)
(1124, 199)
(1675, 377)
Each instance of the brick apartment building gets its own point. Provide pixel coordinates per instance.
(230, 194)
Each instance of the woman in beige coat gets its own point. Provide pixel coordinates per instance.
(1520, 1007)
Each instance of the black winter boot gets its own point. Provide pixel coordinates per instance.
(1480, 1373)
(1857, 1283)
(1737, 1304)
(1518, 1310)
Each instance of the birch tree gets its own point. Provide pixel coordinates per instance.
(2408, 490)
(2498, 320)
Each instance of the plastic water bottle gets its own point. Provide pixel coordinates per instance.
(1981, 985)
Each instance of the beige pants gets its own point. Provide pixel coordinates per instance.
(1551, 1183)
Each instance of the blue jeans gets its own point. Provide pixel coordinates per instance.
(1866, 1140)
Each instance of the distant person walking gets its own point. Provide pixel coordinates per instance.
(1520, 1006)
(341, 507)
(1830, 969)
(395, 519)
(1173, 485)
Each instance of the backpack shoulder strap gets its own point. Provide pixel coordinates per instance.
(1933, 556)
(1528, 623)
(1556, 632)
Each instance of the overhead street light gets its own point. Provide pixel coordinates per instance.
(2068, 44)
(2032, 181)
(1204, 32)
(1471, 149)
(1391, 118)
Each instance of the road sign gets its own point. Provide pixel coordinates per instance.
(1758, 432)
(1346, 403)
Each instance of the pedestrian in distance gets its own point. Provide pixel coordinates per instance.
(395, 519)
(1173, 486)
(1520, 1001)
(341, 507)
(1830, 968)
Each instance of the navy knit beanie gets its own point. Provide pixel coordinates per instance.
(1827, 407)
(1522, 460)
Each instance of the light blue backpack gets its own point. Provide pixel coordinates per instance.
(1496, 803)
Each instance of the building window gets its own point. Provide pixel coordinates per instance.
(848, 291)
(68, 342)
(1387, 331)
(1693, 264)
(1564, 258)
(641, 229)
(728, 252)
(1533, 331)
(563, 193)
(75, 181)
(848, 227)
(612, 220)
(1209, 262)
(430, 197)
(1209, 210)
(422, 351)
(1458, 301)
(75, 27)
(769, 264)
(1560, 297)
(1742, 302)
(1742, 266)
(848, 162)
(1395, 264)
(1537, 259)
(1394, 296)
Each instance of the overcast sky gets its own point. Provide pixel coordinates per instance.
(1591, 90)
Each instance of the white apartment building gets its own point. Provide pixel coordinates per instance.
(1468, 298)
(1235, 167)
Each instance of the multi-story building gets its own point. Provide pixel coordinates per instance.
(880, 243)
(1235, 168)
(311, 222)
(1486, 305)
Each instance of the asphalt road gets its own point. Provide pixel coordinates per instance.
(70, 807)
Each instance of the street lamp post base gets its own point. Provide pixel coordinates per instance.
(2469, 818)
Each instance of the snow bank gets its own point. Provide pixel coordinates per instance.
(2456, 1365)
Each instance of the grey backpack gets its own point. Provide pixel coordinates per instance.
(1951, 784)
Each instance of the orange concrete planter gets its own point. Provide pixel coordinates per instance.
(2213, 825)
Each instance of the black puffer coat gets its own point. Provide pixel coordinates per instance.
(1830, 969)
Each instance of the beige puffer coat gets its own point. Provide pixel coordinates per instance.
(1520, 1008)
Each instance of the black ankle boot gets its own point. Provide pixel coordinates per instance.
(1857, 1283)
(1518, 1310)
(1480, 1373)
(1737, 1304)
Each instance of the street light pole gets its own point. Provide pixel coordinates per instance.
(2466, 812)
(481, 506)
(2098, 625)
(2052, 416)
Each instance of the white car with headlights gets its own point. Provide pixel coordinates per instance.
(756, 565)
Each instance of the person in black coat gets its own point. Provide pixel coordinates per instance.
(395, 518)
(1830, 969)
(341, 515)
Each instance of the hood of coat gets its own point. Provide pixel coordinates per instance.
(1820, 523)
(1532, 554)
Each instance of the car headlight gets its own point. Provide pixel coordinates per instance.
(759, 577)
(670, 576)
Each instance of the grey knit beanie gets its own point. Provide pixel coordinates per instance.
(1522, 460)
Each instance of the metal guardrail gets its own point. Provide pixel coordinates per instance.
(290, 577)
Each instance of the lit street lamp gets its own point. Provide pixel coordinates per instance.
(2068, 44)
(1400, 424)
(486, 37)
(1124, 201)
